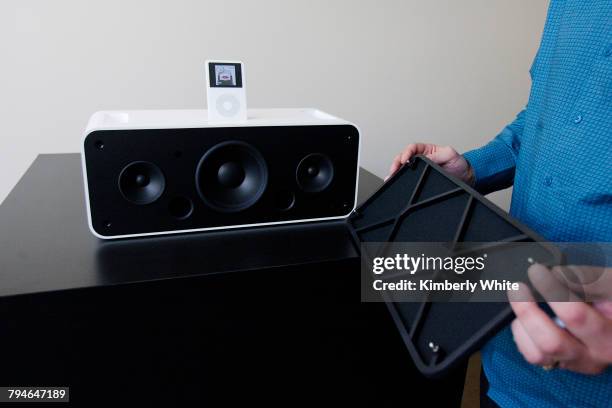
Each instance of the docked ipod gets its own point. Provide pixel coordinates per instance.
(226, 91)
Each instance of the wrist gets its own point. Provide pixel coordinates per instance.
(470, 177)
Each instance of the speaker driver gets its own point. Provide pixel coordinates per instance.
(141, 182)
(231, 176)
(315, 173)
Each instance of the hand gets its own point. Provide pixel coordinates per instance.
(445, 156)
(585, 344)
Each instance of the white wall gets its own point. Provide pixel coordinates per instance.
(446, 71)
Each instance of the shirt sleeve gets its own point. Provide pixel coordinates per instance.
(494, 163)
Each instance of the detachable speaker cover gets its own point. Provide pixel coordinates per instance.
(421, 203)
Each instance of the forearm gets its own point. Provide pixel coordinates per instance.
(493, 165)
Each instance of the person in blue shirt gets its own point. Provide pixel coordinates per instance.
(557, 154)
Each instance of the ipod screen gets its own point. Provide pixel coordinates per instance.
(225, 75)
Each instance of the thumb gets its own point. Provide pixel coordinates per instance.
(594, 281)
(604, 307)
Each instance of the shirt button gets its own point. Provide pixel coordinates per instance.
(608, 51)
(578, 119)
(548, 181)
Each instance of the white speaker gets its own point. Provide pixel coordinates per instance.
(171, 171)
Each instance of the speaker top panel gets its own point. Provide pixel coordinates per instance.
(167, 180)
(198, 118)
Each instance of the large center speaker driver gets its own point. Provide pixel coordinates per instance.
(162, 172)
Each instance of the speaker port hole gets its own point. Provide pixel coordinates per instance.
(99, 145)
(180, 207)
(108, 224)
(284, 200)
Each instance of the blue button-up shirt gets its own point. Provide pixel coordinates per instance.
(558, 155)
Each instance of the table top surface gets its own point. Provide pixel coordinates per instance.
(46, 246)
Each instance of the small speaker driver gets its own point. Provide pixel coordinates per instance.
(232, 176)
(141, 182)
(315, 173)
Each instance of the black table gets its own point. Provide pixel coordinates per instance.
(249, 316)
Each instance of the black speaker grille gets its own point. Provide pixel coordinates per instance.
(265, 191)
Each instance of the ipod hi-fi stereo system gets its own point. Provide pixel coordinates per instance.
(163, 172)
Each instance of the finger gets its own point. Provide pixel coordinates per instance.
(590, 325)
(442, 154)
(526, 346)
(587, 324)
(548, 285)
(408, 152)
(545, 334)
(584, 363)
(413, 150)
(394, 164)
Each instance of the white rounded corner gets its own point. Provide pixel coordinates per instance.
(96, 234)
